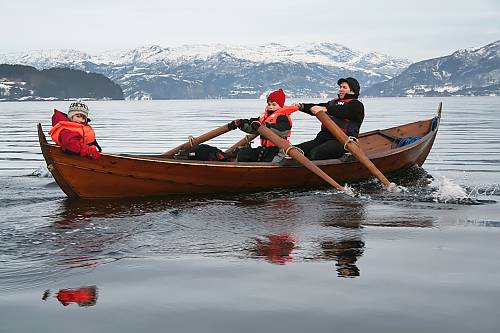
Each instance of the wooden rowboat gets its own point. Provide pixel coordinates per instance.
(121, 176)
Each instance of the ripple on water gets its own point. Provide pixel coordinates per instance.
(45, 237)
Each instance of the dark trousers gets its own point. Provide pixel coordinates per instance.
(259, 154)
(322, 149)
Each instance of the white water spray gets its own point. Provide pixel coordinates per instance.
(447, 190)
(41, 172)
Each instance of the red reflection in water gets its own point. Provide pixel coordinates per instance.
(83, 296)
(277, 248)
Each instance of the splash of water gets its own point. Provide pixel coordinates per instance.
(484, 190)
(349, 190)
(448, 191)
(41, 172)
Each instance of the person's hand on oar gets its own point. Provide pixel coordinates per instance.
(234, 124)
(297, 155)
(317, 108)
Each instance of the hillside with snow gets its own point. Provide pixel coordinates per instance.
(223, 71)
(467, 72)
(26, 83)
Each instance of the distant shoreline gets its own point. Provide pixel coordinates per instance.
(227, 99)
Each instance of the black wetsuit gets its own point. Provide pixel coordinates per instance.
(348, 113)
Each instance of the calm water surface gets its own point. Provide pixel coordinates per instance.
(423, 260)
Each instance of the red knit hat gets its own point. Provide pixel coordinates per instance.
(277, 96)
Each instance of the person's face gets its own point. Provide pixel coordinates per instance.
(79, 118)
(344, 89)
(272, 106)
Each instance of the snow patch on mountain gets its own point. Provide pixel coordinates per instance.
(219, 70)
(472, 71)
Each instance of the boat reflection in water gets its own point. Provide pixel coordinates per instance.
(278, 227)
(84, 233)
(83, 296)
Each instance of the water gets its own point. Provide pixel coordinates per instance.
(422, 260)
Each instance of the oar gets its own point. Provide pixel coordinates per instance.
(195, 141)
(296, 154)
(353, 147)
(243, 142)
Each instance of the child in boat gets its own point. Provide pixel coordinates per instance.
(277, 118)
(73, 133)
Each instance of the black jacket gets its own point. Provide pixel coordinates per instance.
(347, 115)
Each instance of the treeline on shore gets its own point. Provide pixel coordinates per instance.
(19, 82)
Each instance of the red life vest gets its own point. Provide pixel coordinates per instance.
(86, 131)
(267, 118)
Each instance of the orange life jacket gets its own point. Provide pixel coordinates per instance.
(267, 118)
(86, 131)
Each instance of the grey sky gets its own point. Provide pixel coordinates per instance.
(417, 29)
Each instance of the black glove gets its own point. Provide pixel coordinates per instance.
(234, 124)
(255, 125)
(242, 123)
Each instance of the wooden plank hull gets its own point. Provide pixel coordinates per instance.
(119, 176)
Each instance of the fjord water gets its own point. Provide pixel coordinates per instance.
(422, 260)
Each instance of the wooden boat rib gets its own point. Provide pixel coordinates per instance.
(121, 176)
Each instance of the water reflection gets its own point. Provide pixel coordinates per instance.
(83, 296)
(79, 239)
(276, 249)
(278, 227)
(79, 262)
(345, 252)
(344, 244)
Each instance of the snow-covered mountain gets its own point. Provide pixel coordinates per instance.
(473, 71)
(223, 71)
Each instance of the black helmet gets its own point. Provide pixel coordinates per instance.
(353, 84)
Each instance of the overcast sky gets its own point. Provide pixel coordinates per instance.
(416, 29)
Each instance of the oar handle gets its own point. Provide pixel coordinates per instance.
(196, 141)
(295, 154)
(243, 142)
(353, 147)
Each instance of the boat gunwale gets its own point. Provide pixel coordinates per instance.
(231, 164)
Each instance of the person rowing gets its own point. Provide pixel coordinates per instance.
(346, 111)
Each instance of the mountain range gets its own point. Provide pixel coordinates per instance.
(309, 70)
(223, 71)
(467, 72)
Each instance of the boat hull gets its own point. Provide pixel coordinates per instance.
(119, 176)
